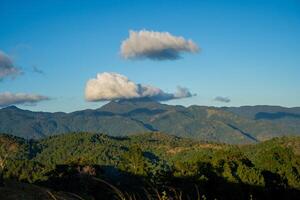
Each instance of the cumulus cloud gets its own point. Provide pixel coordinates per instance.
(7, 68)
(222, 99)
(112, 86)
(156, 46)
(7, 99)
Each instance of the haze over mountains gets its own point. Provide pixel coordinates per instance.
(246, 124)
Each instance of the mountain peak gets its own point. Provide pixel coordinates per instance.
(127, 105)
(11, 108)
(137, 100)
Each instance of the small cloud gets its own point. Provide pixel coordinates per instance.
(156, 46)
(112, 86)
(21, 47)
(183, 92)
(7, 67)
(7, 99)
(222, 99)
(35, 69)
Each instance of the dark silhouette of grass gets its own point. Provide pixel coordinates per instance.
(129, 186)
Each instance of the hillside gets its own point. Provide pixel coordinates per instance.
(149, 166)
(248, 124)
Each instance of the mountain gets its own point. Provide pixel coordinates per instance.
(265, 112)
(246, 124)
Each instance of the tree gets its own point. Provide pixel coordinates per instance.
(134, 162)
(7, 149)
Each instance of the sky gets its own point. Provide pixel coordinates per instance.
(68, 54)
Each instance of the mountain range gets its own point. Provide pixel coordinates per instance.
(234, 125)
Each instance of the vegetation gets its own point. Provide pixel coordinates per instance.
(249, 124)
(149, 166)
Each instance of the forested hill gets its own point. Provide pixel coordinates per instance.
(248, 124)
(147, 166)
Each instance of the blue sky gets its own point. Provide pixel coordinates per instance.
(250, 50)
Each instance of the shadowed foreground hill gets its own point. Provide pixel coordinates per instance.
(248, 124)
(148, 166)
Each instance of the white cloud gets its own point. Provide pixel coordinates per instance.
(7, 99)
(7, 68)
(112, 86)
(156, 46)
(222, 99)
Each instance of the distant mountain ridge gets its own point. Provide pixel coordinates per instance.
(236, 125)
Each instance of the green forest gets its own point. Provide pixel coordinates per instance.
(150, 165)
